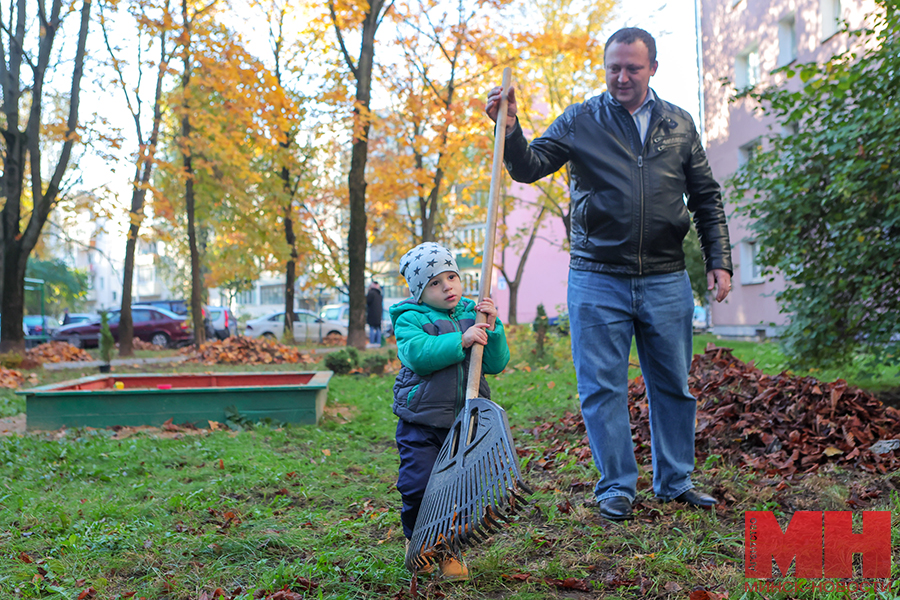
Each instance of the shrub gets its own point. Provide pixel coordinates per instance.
(106, 338)
(374, 363)
(343, 361)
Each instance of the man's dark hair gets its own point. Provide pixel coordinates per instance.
(630, 35)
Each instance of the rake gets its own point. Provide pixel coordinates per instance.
(475, 484)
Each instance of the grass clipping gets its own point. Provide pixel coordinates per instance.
(246, 351)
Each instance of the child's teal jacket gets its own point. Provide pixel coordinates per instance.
(431, 385)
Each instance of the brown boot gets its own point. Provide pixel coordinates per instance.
(454, 569)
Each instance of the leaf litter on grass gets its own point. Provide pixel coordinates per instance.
(780, 424)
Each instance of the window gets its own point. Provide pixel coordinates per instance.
(271, 294)
(831, 12)
(787, 40)
(245, 297)
(146, 273)
(751, 269)
(141, 316)
(746, 152)
(746, 68)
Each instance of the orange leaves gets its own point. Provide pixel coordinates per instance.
(243, 351)
(55, 352)
(10, 378)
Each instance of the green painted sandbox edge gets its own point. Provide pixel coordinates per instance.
(47, 409)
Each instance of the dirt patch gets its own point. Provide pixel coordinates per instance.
(12, 425)
(890, 397)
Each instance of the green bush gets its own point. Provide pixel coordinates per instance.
(106, 338)
(342, 361)
(374, 363)
(10, 360)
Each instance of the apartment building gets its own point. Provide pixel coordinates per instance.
(743, 42)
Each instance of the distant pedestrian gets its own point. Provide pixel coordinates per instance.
(374, 310)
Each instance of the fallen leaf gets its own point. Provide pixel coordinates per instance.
(326, 452)
(551, 384)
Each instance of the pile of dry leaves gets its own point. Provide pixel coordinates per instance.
(139, 344)
(10, 378)
(780, 424)
(57, 352)
(244, 351)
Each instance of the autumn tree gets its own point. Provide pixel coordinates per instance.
(151, 25)
(825, 203)
(562, 53)
(32, 45)
(561, 64)
(361, 21)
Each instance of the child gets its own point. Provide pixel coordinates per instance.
(434, 330)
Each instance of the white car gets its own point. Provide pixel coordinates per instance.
(307, 327)
(341, 313)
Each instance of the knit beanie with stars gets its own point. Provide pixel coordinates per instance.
(424, 262)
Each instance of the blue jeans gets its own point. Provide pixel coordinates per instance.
(374, 335)
(605, 311)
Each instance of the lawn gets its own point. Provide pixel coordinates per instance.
(312, 512)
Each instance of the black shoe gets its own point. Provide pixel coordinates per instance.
(696, 499)
(617, 508)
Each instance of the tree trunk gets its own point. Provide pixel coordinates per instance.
(291, 239)
(356, 180)
(138, 195)
(189, 200)
(126, 324)
(17, 245)
(516, 282)
(512, 317)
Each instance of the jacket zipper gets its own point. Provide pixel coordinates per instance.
(459, 376)
(640, 164)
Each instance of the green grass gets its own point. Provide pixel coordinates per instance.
(173, 516)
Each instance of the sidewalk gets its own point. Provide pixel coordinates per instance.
(116, 361)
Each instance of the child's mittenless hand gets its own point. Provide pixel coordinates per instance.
(475, 334)
(487, 307)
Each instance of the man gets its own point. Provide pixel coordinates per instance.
(632, 157)
(374, 310)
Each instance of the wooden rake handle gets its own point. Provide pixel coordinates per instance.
(487, 258)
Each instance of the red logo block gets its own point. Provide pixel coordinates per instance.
(823, 543)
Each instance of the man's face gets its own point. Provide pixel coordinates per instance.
(443, 291)
(628, 72)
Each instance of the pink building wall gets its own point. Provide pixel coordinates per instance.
(547, 267)
(731, 30)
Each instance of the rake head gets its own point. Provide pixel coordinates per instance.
(474, 489)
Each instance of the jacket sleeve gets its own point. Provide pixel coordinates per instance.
(547, 154)
(705, 202)
(496, 353)
(424, 353)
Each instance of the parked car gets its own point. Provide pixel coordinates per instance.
(179, 307)
(307, 327)
(341, 313)
(40, 325)
(157, 326)
(220, 322)
(69, 318)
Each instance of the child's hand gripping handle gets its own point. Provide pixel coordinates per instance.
(487, 262)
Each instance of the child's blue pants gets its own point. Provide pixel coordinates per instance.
(419, 446)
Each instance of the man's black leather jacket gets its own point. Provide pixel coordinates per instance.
(627, 202)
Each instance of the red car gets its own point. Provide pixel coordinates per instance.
(158, 326)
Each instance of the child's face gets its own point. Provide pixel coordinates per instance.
(444, 290)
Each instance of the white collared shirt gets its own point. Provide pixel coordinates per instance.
(642, 115)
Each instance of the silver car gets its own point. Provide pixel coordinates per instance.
(307, 327)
